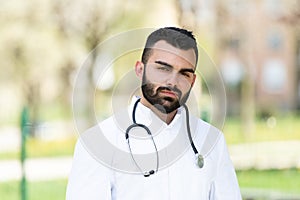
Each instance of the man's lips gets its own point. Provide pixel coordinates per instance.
(169, 93)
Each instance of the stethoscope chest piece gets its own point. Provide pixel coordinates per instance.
(200, 160)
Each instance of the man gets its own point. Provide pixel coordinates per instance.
(154, 158)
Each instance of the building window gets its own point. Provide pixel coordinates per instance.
(275, 40)
(232, 72)
(274, 76)
(274, 7)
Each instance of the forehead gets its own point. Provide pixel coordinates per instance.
(163, 51)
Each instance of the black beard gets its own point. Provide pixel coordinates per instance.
(159, 102)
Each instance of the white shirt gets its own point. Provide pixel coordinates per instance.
(103, 168)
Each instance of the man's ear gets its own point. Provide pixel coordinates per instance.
(139, 69)
(194, 79)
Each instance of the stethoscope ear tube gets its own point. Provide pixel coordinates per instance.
(134, 109)
(135, 125)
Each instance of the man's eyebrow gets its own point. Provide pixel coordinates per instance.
(187, 70)
(168, 65)
(163, 63)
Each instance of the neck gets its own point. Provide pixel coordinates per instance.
(166, 117)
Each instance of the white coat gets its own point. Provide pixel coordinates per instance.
(103, 169)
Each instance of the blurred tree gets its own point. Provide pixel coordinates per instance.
(90, 22)
(190, 12)
(43, 42)
(292, 19)
(238, 40)
(195, 15)
(30, 87)
(66, 44)
(187, 13)
(22, 56)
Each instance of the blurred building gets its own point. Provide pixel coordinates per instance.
(258, 50)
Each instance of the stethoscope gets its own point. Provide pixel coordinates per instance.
(199, 157)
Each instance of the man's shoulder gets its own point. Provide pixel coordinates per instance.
(99, 124)
(204, 126)
(115, 123)
(208, 138)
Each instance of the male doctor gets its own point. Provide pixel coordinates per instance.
(161, 152)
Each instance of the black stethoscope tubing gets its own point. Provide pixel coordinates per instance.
(199, 157)
(135, 125)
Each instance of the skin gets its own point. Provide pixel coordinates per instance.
(167, 67)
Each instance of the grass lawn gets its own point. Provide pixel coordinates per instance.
(286, 181)
(282, 128)
(42, 148)
(272, 129)
(46, 190)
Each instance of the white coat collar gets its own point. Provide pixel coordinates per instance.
(146, 116)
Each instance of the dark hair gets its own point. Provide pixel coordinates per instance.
(177, 37)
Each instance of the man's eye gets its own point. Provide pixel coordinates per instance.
(163, 68)
(186, 74)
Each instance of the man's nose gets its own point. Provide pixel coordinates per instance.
(172, 79)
